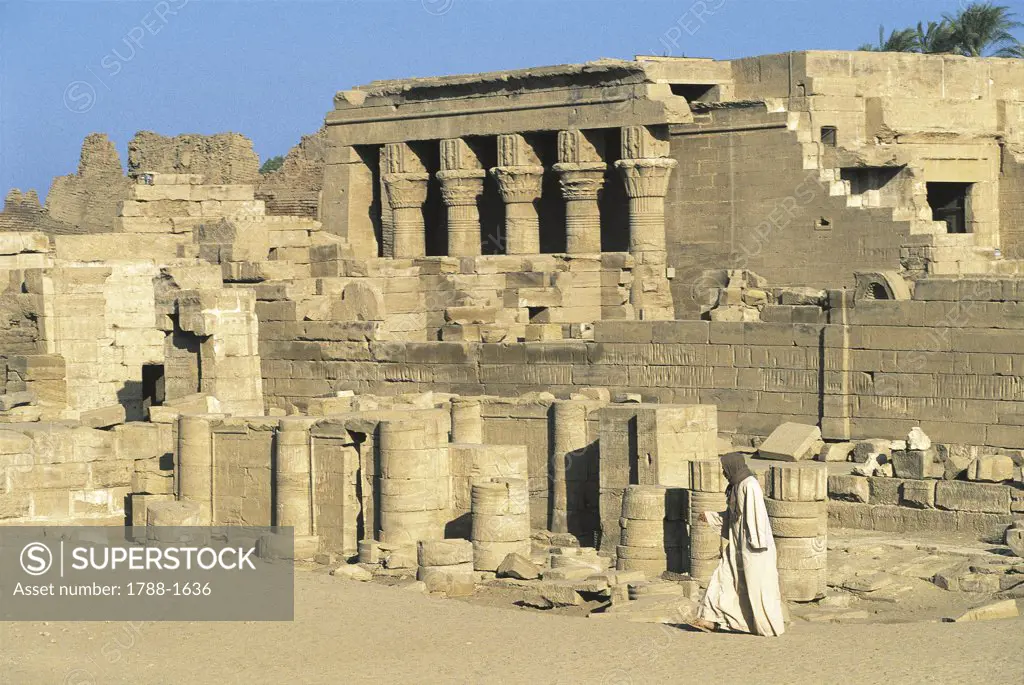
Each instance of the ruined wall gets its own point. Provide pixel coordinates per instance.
(224, 158)
(51, 473)
(294, 189)
(89, 198)
(948, 361)
(742, 198)
(22, 212)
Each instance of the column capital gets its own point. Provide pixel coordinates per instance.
(518, 184)
(581, 181)
(646, 177)
(461, 186)
(399, 158)
(580, 147)
(644, 142)
(406, 191)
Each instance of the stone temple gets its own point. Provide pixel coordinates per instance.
(505, 323)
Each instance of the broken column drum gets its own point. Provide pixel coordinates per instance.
(799, 521)
(413, 484)
(707, 493)
(501, 521)
(467, 424)
(653, 531)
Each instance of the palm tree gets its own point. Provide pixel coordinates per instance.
(904, 40)
(937, 38)
(984, 28)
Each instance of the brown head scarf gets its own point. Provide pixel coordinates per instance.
(736, 471)
(735, 466)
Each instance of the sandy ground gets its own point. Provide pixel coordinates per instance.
(354, 632)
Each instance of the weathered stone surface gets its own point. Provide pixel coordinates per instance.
(518, 566)
(868, 448)
(992, 468)
(849, 488)
(917, 464)
(352, 572)
(836, 451)
(997, 610)
(975, 497)
(791, 442)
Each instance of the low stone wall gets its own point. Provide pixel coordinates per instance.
(53, 474)
(904, 505)
(948, 361)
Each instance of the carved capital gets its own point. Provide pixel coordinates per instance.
(515, 149)
(646, 177)
(406, 191)
(519, 183)
(582, 181)
(399, 158)
(580, 147)
(457, 155)
(461, 187)
(642, 142)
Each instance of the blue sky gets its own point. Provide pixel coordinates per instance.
(269, 69)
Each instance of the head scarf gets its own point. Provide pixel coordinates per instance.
(736, 471)
(735, 466)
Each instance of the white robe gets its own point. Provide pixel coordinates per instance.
(743, 593)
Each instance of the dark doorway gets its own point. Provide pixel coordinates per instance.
(613, 200)
(949, 204)
(152, 385)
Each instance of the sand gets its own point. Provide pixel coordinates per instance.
(351, 632)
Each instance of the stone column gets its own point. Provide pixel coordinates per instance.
(581, 171)
(462, 184)
(467, 424)
(645, 169)
(405, 182)
(570, 441)
(520, 176)
(292, 482)
(195, 463)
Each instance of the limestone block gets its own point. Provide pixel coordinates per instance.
(993, 468)
(973, 497)
(836, 451)
(444, 552)
(103, 417)
(917, 464)
(792, 442)
(849, 488)
(1014, 537)
(706, 475)
(798, 482)
(519, 567)
(956, 459)
(352, 572)
(918, 493)
(868, 448)
(917, 440)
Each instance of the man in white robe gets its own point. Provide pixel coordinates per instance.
(743, 593)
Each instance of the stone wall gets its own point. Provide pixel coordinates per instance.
(223, 158)
(54, 474)
(743, 198)
(22, 212)
(294, 189)
(947, 360)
